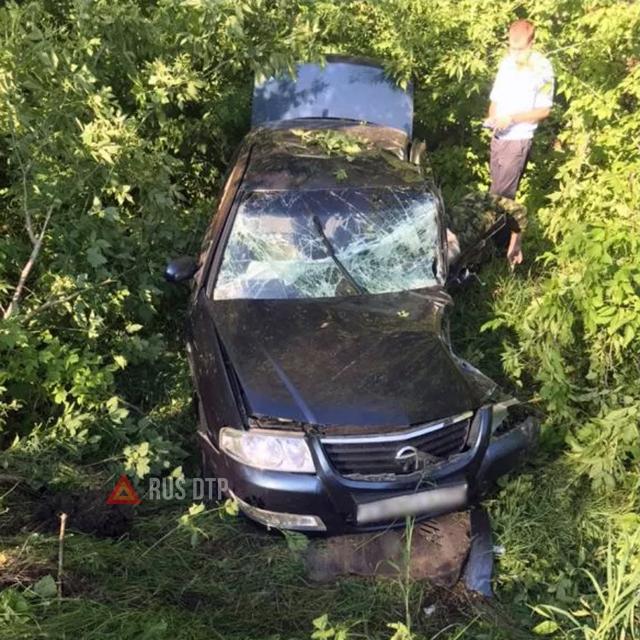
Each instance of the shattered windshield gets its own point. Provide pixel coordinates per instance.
(330, 243)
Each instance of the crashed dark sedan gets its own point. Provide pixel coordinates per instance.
(329, 396)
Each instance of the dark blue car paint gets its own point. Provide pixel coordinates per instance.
(337, 499)
(243, 369)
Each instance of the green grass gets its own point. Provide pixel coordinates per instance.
(238, 581)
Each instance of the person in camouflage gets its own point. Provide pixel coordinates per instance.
(472, 218)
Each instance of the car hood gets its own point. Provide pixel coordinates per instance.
(375, 360)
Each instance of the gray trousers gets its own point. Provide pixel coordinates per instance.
(508, 159)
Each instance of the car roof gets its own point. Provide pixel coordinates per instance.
(328, 154)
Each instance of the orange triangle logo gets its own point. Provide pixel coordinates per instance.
(123, 492)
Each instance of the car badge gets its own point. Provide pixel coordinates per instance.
(408, 457)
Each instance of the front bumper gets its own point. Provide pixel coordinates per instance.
(342, 505)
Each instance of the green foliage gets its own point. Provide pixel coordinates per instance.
(400, 631)
(612, 612)
(579, 331)
(332, 142)
(117, 121)
(323, 630)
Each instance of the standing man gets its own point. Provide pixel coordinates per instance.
(521, 97)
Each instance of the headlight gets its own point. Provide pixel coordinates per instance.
(276, 450)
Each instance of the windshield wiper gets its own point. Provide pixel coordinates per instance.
(331, 251)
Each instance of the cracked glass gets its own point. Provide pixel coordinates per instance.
(331, 243)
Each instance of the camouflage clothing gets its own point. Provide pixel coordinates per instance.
(473, 216)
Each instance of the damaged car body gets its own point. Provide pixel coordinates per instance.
(329, 396)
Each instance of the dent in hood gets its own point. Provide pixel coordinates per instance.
(361, 361)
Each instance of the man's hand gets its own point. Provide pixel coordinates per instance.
(502, 122)
(499, 123)
(515, 257)
(514, 252)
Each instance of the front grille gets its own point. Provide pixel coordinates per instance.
(374, 455)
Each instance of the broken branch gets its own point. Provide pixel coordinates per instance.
(26, 270)
(63, 524)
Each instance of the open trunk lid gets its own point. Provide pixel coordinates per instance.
(344, 88)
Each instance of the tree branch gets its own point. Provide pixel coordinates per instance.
(27, 213)
(56, 301)
(25, 198)
(26, 270)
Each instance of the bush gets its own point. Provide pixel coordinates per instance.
(118, 119)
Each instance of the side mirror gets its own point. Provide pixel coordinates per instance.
(180, 269)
